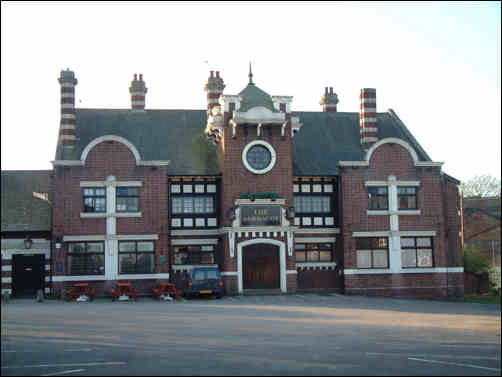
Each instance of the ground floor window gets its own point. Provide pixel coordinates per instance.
(136, 257)
(372, 252)
(314, 252)
(86, 258)
(195, 254)
(416, 252)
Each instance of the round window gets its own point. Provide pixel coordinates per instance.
(259, 157)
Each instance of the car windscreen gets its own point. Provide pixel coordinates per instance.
(199, 275)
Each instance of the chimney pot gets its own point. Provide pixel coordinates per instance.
(135, 76)
(140, 77)
(212, 73)
(218, 74)
(331, 90)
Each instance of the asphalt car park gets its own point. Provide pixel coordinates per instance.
(299, 334)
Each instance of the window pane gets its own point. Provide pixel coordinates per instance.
(382, 202)
(207, 248)
(209, 205)
(145, 263)
(326, 246)
(363, 243)
(382, 191)
(326, 204)
(424, 242)
(313, 256)
(297, 204)
(300, 246)
(307, 204)
(300, 256)
(100, 204)
(121, 191)
(207, 258)
(133, 204)
(180, 255)
(88, 192)
(145, 246)
(409, 258)
(187, 205)
(121, 204)
(95, 247)
(127, 246)
(363, 258)
(412, 202)
(127, 263)
(407, 242)
(76, 247)
(199, 205)
(177, 205)
(316, 204)
(100, 192)
(379, 243)
(325, 256)
(199, 275)
(380, 259)
(424, 257)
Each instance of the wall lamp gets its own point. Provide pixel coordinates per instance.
(28, 242)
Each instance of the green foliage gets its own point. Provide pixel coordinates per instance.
(474, 262)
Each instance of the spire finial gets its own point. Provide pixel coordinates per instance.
(250, 74)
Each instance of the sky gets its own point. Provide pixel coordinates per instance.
(436, 64)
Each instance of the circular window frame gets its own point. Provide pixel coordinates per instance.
(273, 157)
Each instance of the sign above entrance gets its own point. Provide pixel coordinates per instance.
(260, 215)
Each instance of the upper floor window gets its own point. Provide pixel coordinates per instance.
(312, 204)
(378, 198)
(127, 199)
(372, 252)
(407, 197)
(136, 257)
(86, 258)
(416, 252)
(193, 204)
(94, 200)
(314, 252)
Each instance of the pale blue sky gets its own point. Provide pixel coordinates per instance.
(436, 64)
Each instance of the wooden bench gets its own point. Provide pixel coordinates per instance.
(164, 288)
(124, 289)
(80, 289)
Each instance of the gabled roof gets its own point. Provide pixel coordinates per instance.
(20, 210)
(178, 136)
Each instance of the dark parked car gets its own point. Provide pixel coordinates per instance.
(204, 280)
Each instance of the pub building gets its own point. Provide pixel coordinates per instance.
(281, 201)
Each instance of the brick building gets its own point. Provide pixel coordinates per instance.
(280, 200)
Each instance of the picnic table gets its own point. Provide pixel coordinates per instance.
(124, 289)
(164, 289)
(80, 289)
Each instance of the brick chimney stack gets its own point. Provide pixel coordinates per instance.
(214, 87)
(138, 91)
(67, 128)
(329, 101)
(367, 118)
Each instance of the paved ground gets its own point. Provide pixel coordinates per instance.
(271, 335)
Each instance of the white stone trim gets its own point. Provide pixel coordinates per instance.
(67, 127)
(93, 215)
(291, 272)
(270, 149)
(433, 270)
(401, 233)
(229, 273)
(388, 183)
(282, 258)
(126, 214)
(68, 137)
(7, 268)
(195, 241)
(315, 240)
(113, 183)
(306, 265)
(66, 84)
(190, 267)
(68, 116)
(368, 129)
(7, 280)
(7, 290)
(116, 138)
(154, 163)
(67, 95)
(377, 212)
(67, 105)
(368, 139)
(392, 140)
(429, 164)
(8, 253)
(84, 238)
(67, 163)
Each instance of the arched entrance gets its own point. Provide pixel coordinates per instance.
(261, 266)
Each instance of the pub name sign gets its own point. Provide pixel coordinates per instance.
(260, 215)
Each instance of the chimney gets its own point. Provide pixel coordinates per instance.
(367, 118)
(138, 91)
(67, 128)
(214, 87)
(329, 101)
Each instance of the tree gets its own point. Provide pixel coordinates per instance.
(481, 186)
(474, 262)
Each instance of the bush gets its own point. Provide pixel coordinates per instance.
(474, 262)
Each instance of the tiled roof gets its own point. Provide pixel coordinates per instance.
(178, 136)
(20, 210)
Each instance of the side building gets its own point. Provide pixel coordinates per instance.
(280, 200)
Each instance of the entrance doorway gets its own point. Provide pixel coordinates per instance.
(261, 266)
(27, 274)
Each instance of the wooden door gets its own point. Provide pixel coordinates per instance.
(261, 266)
(28, 274)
